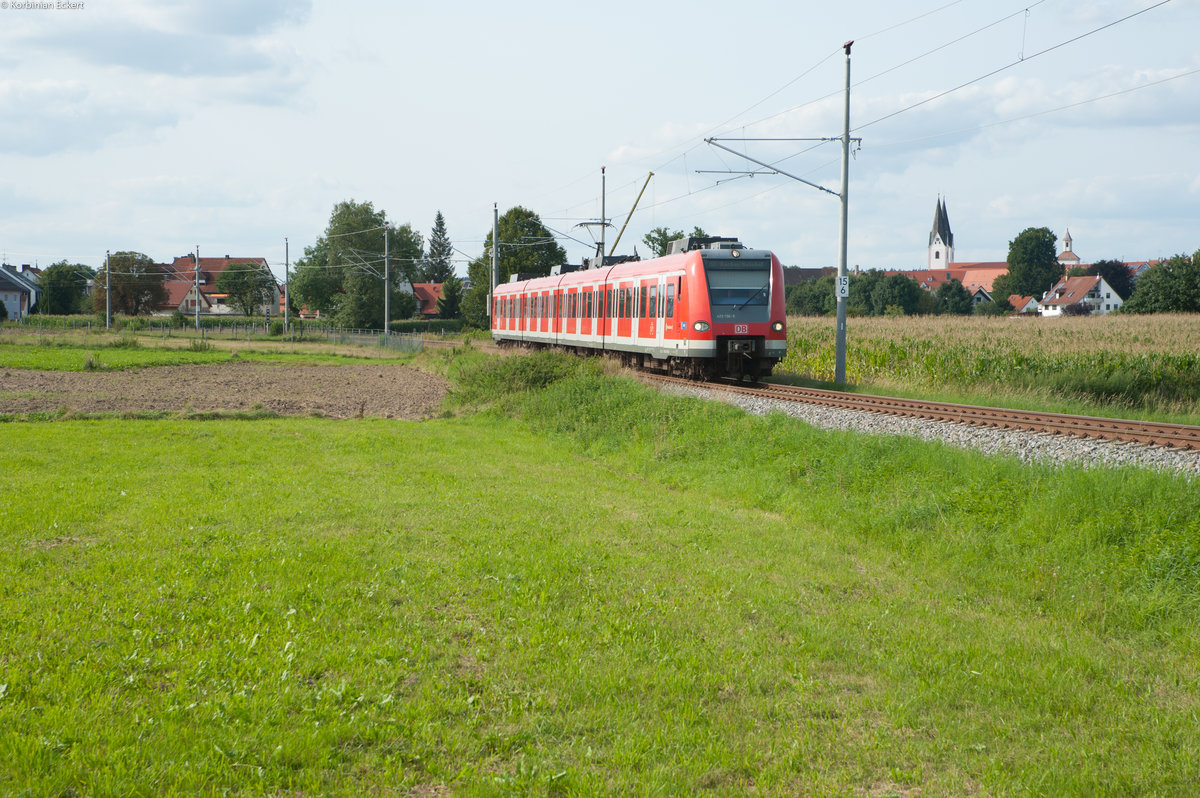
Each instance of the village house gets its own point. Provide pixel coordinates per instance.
(1023, 304)
(1080, 295)
(428, 295)
(19, 290)
(181, 283)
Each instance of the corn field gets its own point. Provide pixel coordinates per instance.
(1136, 361)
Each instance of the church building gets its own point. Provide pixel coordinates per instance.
(941, 240)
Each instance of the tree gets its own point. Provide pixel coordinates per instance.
(896, 291)
(438, 264)
(1116, 274)
(953, 298)
(137, 284)
(361, 302)
(64, 287)
(1172, 286)
(658, 239)
(342, 273)
(812, 298)
(525, 247)
(448, 305)
(1033, 266)
(249, 286)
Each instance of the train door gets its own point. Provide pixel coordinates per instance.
(660, 304)
(625, 293)
(586, 312)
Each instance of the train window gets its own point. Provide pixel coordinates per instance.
(671, 300)
(654, 301)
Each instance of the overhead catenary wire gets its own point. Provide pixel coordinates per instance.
(1008, 66)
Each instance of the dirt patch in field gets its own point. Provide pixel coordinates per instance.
(380, 390)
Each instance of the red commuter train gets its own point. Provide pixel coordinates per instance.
(713, 310)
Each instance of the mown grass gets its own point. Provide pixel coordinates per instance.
(1121, 365)
(585, 588)
(119, 352)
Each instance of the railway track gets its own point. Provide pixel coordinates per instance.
(1178, 436)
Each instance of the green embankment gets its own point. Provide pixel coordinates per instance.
(571, 585)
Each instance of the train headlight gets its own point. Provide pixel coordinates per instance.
(777, 326)
(700, 326)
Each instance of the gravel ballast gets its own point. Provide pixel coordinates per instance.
(1029, 447)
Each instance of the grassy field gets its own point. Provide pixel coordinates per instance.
(1140, 366)
(573, 586)
(104, 351)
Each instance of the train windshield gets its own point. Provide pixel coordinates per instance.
(739, 290)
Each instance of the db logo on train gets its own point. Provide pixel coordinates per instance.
(741, 329)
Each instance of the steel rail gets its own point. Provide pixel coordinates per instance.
(1179, 436)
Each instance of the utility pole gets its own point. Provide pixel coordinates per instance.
(387, 284)
(599, 239)
(287, 282)
(603, 215)
(843, 278)
(107, 292)
(197, 288)
(843, 281)
(495, 257)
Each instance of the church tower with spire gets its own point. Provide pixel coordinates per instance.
(941, 240)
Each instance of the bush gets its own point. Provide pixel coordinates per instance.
(990, 309)
(277, 327)
(178, 320)
(491, 379)
(427, 325)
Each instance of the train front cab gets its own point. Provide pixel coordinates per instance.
(745, 311)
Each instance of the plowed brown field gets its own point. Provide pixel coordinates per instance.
(380, 390)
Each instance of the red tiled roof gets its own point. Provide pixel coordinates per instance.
(972, 275)
(177, 291)
(184, 268)
(1070, 291)
(1019, 302)
(427, 295)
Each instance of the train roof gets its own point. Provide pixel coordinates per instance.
(665, 264)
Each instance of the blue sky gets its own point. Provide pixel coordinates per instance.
(160, 126)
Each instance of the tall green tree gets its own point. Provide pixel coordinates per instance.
(137, 284)
(1114, 272)
(438, 265)
(343, 272)
(361, 302)
(525, 247)
(448, 305)
(1033, 266)
(64, 287)
(1172, 286)
(351, 240)
(249, 285)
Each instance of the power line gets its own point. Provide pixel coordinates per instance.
(1013, 64)
(1022, 118)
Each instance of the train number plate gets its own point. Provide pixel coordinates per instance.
(741, 329)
